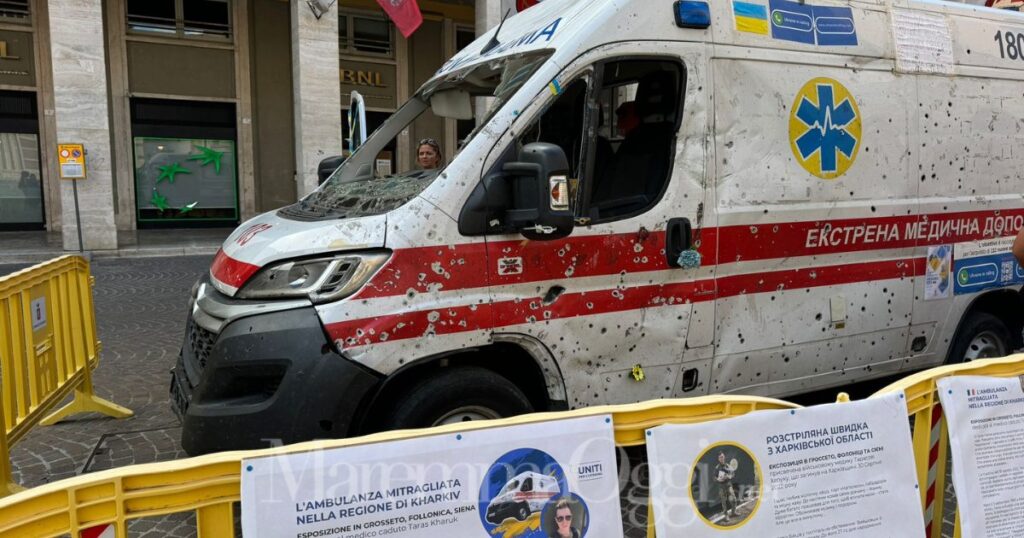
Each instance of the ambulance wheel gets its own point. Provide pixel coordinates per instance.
(983, 336)
(455, 395)
(523, 512)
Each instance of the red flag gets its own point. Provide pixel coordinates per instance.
(404, 13)
(522, 5)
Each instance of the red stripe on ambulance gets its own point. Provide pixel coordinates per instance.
(473, 265)
(521, 311)
(768, 241)
(457, 267)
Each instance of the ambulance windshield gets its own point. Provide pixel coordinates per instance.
(511, 486)
(370, 183)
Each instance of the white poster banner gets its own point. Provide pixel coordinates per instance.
(831, 470)
(985, 416)
(530, 481)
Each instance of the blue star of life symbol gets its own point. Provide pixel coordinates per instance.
(826, 128)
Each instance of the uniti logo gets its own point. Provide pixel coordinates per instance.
(825, 128)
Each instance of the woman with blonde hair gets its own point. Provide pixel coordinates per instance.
(428, 154)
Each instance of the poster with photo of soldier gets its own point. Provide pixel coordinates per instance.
(726, 484)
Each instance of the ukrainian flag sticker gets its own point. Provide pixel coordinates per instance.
(752, 18)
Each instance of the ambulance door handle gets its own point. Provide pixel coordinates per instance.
(677, 240)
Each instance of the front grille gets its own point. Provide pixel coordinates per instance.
(201, 341)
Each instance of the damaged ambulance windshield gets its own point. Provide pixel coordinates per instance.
(370, 181)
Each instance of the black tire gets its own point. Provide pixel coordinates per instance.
(523, 512)
(432, 399)
(981, 336)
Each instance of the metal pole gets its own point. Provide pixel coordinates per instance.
(78, 218)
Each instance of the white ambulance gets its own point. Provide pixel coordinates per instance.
(525, 494)
(661, 199)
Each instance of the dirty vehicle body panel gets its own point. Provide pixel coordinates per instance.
(826, 184)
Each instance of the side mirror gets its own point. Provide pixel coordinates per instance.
(328, 166)
(539, 188)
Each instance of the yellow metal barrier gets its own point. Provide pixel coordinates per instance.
(931, 442)
(209, 485)
(48, 348)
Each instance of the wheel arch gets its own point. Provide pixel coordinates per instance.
(1005, 304)
(520, 359)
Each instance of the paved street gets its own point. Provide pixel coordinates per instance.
(140, 308)
(140, 311)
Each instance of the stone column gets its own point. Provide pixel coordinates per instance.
(488, 15)
(317, 92)
(490, 12)
(80, 99)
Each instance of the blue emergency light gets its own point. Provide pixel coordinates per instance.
(692, 14)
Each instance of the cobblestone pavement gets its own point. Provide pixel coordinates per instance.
(141, 307)
(140, 311)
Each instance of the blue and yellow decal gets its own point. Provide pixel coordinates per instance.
(751, 18)
(825, 128)
(555, 88)
(823, 26)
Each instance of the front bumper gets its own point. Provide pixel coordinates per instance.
(496, 513)
(265, 379)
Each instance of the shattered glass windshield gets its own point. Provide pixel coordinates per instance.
(511, 486)
(358, 188)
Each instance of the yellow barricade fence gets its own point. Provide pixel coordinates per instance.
(48, 348)
(210, 485)
(931, 442)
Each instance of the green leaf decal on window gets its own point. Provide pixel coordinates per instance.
(208, 156)
(160, 202)
(168, 172)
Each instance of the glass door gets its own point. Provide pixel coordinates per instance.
(21, 185)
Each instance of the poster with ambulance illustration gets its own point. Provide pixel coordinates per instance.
(532, 480)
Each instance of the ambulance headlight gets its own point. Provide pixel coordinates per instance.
(322, 280)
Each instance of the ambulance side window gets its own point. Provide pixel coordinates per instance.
(563, 124)
(632, 158)
(527, 485)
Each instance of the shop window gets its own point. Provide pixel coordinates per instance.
(180, 18)
(185, 163)
(21, 186)
(359, 34)
(14, 11)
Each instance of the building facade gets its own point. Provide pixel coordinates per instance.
(201, 112)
